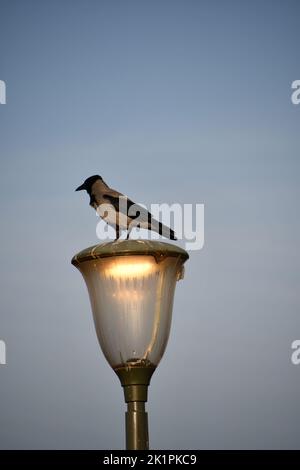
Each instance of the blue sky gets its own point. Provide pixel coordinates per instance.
(170, 101)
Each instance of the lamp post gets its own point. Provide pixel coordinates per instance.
(131, 287)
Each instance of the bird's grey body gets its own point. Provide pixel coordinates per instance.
(119, 211)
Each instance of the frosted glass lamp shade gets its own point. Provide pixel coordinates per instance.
(131, 287)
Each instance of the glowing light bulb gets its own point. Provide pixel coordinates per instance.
(126, 269)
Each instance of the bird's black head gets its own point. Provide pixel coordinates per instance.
(88, 183)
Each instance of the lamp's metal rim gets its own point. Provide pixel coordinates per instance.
(158, 249)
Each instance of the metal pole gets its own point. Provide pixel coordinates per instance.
(135, 381)
(136, 426)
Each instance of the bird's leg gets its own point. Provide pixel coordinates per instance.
(129, 228)
(128, 233)
(117, 232)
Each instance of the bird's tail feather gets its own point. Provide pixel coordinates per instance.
(162, 229)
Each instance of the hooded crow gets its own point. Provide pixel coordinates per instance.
(119, 211)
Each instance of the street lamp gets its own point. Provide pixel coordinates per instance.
(131, 287)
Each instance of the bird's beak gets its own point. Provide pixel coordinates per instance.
(80, 188)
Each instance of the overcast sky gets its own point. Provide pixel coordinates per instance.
(170, 101)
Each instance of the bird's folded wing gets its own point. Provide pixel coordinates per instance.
(124, 205)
